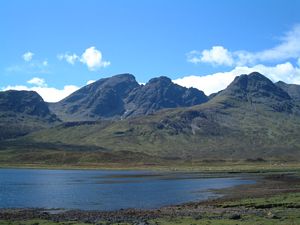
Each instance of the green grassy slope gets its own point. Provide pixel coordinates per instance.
(223, 128)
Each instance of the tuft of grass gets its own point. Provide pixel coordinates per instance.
(290, 200)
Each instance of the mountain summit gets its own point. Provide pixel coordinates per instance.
(255, 87)
(101, 99)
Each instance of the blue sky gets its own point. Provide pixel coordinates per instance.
(57, 46)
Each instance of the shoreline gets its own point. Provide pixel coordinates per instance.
(266, 186)
(211, 167)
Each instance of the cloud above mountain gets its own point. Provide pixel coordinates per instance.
(91, 57)
(287, 49)
(40, 82)
(211, 83)
(49, 94)
(217, 55)
(27, 56)
(281, 62)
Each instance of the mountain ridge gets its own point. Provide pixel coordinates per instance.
(121, 96)
(252, 118)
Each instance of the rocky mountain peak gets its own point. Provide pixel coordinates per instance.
(27, 102)
(163, 80)
(255, 86)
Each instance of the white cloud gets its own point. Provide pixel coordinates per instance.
(217, 55)
(30, 66)
(218, 81)
(93, 59)
(194, 57)
(45, 63)
(90, 82)
(40, 82)
(70, 58)
(27, 56)
(49, 94)
(288, 48)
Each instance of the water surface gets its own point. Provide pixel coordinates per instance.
(105, 190)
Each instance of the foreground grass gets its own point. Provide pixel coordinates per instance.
(244, 221)
(283, 209)
(38, 222)
(173, 221)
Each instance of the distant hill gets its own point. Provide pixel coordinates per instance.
(22, 112)
(121, 96)
(252, 118)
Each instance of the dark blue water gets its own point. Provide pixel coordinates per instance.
(104, 190)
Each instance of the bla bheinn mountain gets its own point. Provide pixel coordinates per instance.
(121, 96)
(252, 118)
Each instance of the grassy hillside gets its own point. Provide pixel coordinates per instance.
(223, 128)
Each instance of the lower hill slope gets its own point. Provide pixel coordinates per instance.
(211, 131)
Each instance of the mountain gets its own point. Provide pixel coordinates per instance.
(292, 89)
(255, 87)
(22, 112)
(252, 118)
(121, 96)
